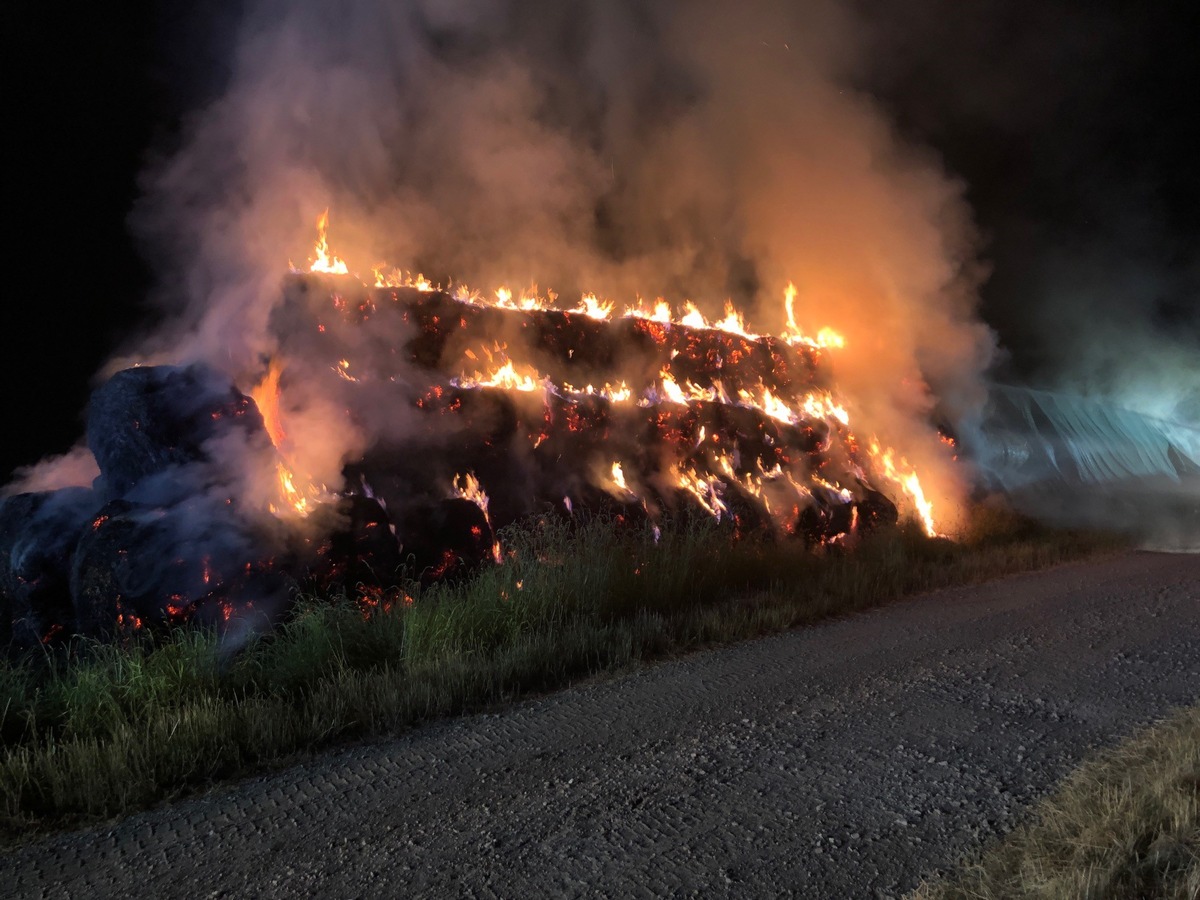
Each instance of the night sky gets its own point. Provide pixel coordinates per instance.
(1072, 124)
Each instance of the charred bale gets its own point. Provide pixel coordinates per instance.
(146, 420)
(444, 327)
(827, 517)
(355, 544)
(152, 567)
(572, 348)
(479, 431)
(98, 591)
(38, 533)
(449, 538)
(489, 415)
(875, 511)
(15, 512)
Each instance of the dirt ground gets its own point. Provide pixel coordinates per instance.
(844, 760)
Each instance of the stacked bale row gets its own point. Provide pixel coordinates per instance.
(549, 440)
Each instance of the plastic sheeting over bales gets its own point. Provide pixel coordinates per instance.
(1031, 435)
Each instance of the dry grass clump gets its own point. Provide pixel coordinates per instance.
(1126, 824)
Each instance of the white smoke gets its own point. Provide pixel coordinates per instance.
(75, 468)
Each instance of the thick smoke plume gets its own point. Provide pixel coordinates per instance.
(701, 150)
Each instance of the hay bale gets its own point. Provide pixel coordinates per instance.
(146, 420)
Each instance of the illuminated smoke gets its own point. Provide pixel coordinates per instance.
(703, 151)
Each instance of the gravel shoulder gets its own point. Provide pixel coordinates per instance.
(843, 760)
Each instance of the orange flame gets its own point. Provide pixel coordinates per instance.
(903, 475)
(593, 307)
(397, 278)
(266, 396)
(705, 488)
(826, 337)
(505, 376)
(660, 312)
(326, 262)
(616, 485)
(467, 487)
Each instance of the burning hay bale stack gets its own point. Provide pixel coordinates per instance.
(203, 511)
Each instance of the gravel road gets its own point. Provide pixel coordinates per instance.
(845, 760)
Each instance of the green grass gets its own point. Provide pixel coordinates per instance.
(106, 729)
(1126, 824)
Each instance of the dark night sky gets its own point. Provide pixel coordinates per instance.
(85, 108)
(1071, 122)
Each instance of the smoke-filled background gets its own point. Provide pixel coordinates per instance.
(931, 177)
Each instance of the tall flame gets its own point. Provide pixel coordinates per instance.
(904, 475)
(266, 396)
(326, 262)
(826, 337)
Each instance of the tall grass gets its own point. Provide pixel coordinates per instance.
(105, 729)
(1125, 824)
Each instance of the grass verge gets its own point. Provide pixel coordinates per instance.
(103, 730)
(1126, 824)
